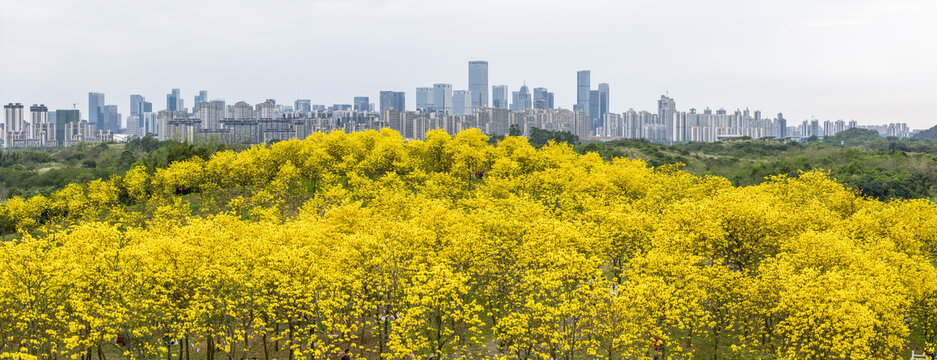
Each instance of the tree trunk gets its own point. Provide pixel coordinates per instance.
(210, 352)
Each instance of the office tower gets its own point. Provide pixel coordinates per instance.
(63, 117)
(303, 105)
(393, 100)
(478, 83)
(598, 107)
(583, 86)
(362, 103)
(462, 102)
(200, 98)
(499, 96)
(424, 98)
(603, 89)
(136, 104)
(442, 98)
(666, 108)
(782, 126)
(174, 101)
(521, 99)
(95, 107)
(543, 99)
(110, 119)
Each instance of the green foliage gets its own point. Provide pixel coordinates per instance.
(928, 134)
(539, 137)
(884, 168)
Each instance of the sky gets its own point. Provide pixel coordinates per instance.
(870, 61)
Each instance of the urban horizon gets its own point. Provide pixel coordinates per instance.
(413, 104)
(437, 106)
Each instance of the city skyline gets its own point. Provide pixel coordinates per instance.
(829, 60)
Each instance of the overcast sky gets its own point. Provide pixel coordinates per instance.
(872, 61)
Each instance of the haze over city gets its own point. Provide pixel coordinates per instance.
(871, 61)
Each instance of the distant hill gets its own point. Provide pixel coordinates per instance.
(854, 137)
(928, 134)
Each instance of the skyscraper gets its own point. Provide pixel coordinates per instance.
(543, 99)
(110, 119)
(63, 117)
(666, 108)
(302, 105)
(200, 98)
(136, 104)
(462, 102)
(583, 85)
(598, 105)
(442, 97)
(392, 100)
(95, 107)
(478, 83)
(362, 103)
(522, 99)
(424, 98)
(603, 88)
(174, 101)
(782, 126)
(499, 96)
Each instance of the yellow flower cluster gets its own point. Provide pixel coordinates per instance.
(452, 248)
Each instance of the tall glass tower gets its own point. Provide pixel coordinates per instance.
(583, 83)
(499, 96)
(478, 82)
(442, 97)
(95, 107)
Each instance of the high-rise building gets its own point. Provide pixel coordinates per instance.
(442, 98)
(603, 88)
(13, 127)
(424, 98)
(782, 126)
(499, 96)
(42, 130)
(583, 86)
(666, 108)
(462, 102)
(478, 83)
(136, 104)
(266, 110)
(393, 100)
(240, 111)
(543, 99)
(303, 105)
(110, 119)
(362, 103)
(63, 117)
(521, 99)
(95, 107)
(598, 107)
(174, 101)
(210, 113)
(200, 98)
